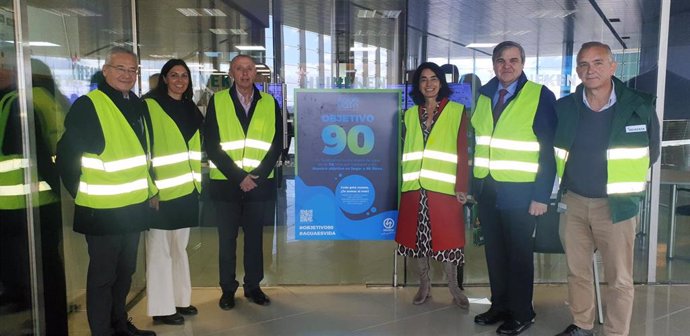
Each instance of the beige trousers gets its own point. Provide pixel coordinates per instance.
(586, 226)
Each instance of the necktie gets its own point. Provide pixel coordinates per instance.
(500, 104)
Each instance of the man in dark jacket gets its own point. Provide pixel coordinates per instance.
(102, 159)
(514, 121)
(606, 139)
(243, 134)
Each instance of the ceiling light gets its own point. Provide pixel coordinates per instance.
(549, 14)
(71, 12)
(366, 14)
(249, 48)
(42, 44)
(371, 49)
(188, 11)
(502, 33)
(37, 44)
(221, 31)
(377, 14)
(162, 56)
(481, 45)
(213, 12)
(390, 14)
(201, 12)
(82, 12)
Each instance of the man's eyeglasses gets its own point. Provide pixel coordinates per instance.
(120, 70)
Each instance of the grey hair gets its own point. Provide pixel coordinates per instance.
(242, 56)
(498, 50)
(596, 44)
(118, 50)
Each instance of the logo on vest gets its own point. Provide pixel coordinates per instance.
(635, 128)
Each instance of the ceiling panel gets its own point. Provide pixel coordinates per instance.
(539, 25)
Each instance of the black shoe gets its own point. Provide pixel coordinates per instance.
(191, 310)
(514, 327)
(133, 331)
(174, 319)
(257, 296)
(227, 301)
(490, 317)
(573, 330)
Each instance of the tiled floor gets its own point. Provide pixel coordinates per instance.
(360, 310)
(314, 288)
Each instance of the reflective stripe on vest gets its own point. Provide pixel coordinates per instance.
(509, 151)
(626, 169)
(248, 150)
(432, 167)
(176, 163)
(119, 175)
(13, 189)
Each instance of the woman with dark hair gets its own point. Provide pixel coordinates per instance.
(176, 157)
(434, 181)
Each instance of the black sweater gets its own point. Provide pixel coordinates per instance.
(183, 211)
(83, 134)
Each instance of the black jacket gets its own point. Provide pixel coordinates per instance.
(229, 190)
(83, 134)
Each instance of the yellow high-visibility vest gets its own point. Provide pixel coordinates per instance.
(626, 168)
(13, 189)
(118, 176)
(176, 163)
(509, 151)
(247, 150)
(434, 166)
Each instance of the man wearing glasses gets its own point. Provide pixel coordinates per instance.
(103, 162)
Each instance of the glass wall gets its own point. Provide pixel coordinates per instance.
(673, 249)
(363, 44)
(20, 231)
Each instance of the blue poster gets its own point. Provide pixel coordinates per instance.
(346, 158)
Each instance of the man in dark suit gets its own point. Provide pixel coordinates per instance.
(514, 169)
(243, 134)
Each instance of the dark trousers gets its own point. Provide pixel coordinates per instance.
(508, 246)
(251, 217)
(112, 261)
(14, 265)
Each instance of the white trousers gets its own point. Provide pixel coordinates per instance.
(167, 271)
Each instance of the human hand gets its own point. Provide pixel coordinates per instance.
(537, 209)
(248, 183)
(154, 202)
(461, 197)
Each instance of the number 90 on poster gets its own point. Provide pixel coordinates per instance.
(359, 139)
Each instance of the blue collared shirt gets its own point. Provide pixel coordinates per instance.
(511, 91)
(612, 98)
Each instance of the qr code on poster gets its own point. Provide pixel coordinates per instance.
(306, 216)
